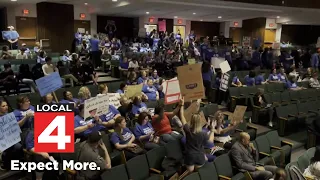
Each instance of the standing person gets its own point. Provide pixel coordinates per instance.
(207, 74)
(196, 139)
(256, 59)
(12, 37)
(315, 60)
(305, 58)
(95, 52)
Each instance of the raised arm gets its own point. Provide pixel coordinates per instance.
(182, 118)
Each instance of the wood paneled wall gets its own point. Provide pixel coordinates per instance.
(27, 29)
(202, 29)
(3, 21)
(81, 24)
(125, 26)
(300, 34)
(254, 28)
(56, 23)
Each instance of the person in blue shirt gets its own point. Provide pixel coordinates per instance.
(78, 37)
(83, 127)
(286, 60)
(155, 77)
(259, 80)
(282, 75)
(68, 98)
(151, 91)
(138, 106)
(274, 77)
(115, 46)
(66, 56)
(124, 66)
(235, 81)
(250, 79)
(84, 94)
(192, 36)
(122, 138)
(132, 78)
(24, 113)
(15, 152)
(122, 88)
(315, 60)
(143, 78)
(109, 117)
(256, 59)
(95, 51)
(144, 131)
(292, 85)
(48, 99)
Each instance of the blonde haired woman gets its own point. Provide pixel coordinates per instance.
(84, 94)
(196, 139)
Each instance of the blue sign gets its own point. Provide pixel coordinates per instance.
(49, 84)
(9, 131)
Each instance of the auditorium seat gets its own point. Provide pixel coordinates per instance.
(311, 152)
(208, 172)
(117, 172)
(265, 149)
(275, 143)
(225, 170)
(303, 162)
(262, 159)
(193, 176)
(117, 157)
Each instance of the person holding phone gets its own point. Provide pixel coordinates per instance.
(196, 139)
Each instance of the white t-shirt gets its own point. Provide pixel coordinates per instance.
(47, 69)
(133, 65)
(22, 56)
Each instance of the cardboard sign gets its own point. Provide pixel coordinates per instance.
(224, 82)
(192, 109)
(203, 119)
(96, 106)
(191, 61)
(172, 94)
(133, 90)
(49, 84)
(191, 83)
(238, 113)
(225, 67)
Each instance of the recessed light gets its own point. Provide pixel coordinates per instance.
(147, 12)
(278, 17)
(175, 16)
(287, 23)
(114, 0)
(13, 0)
(201, 20)
(219, 17)
(194, 13)
(86, 4)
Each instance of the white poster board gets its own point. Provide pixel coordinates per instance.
(172, 94)
(96, 106)
(114, 99)
(246, 41)
(9, 131)
(224, 82)
(225, 67)
(216, 61)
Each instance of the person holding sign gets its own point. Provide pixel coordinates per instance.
(15, 152)
(48, 99)
(150, 91)
(68, 98)
(196, 140)
(84, 94)
(145, 133)
(143, 79)
(24, 113)
(108, 118)
(122, 88)
(83, 127)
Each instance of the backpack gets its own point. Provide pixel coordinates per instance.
(295, 173)
(37, 71)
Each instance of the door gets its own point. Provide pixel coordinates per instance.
(182, 30)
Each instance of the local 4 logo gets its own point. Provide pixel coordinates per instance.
(54, 128)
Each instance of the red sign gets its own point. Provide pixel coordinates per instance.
(25, 11)
(235, 23)
(82, 15)
(271, 25)
(162, 25)
(53, 131)
(179, 21)
(151, 20)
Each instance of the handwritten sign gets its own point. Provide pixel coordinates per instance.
(96, 106)
(238, 113)
(224, 82)
(9, 131)
(172, 94)
(49, 84)
(133, 90)
(114, 99)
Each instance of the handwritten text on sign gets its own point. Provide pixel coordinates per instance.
(9, 131)
(96, 106)
(49, 84)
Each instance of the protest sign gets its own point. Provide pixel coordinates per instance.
(172, 94)
(191, 61)
(216, 61)
(225, 67)
(190, 81)
(203, 119)
(9, 131)
(224, 82)
(114, 99)
(192, 109)
(49, 84)
(238, 113)
(96, 106)
(133, 90)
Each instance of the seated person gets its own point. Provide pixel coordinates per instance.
(48, 67)
(84, 94)
(124, 66)
(259, 80)
(125, 107)
(236, 82)
(292, 85)
(6, 54)
(123, 139)
(24, 113)
(308, 75)
(68, 98)
(66, 74)
(143, 79)
(155, 78)
(90, 153)
(22, 54)
(83, 127)
(138, 106)
(314, 82)
(150, 91)
(103, 89)
(109, 117)
(42, 57)
(132, 78)
(8, 79)
(250, 79)
(260, 101)
(134, 64)
(313, 170)
(245, 156)
(48, 99)
(122, 88)
(282, 75)
(66, 56)
(144, 132)
(274, 77)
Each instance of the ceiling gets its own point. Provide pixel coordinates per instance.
(206, 10)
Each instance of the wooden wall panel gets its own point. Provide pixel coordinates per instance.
(202, 29)
(3, 21)
(300, 34)
(56, 23)
(81, 24)
(27, 29)
(254, 28)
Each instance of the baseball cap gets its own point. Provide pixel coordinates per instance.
(94, 137)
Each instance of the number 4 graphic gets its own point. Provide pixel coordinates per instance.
(61, 138)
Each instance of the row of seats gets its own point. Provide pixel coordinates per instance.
(303, 161)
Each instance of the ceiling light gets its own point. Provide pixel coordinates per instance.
(219, 17)
(201, 20)
(86, 4)
(114, 0)
(13, 0)
(147, 12)
(278, 17)
(194, 13)
(175, 16)
(287, 23)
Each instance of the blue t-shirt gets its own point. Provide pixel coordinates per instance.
(107, 45)
(249, 81)
(124, 65)
(74, 100)
(259, 79)
(142, 80)
(94, 43)
(291, 85)
(273, 77)
(155, 42)
(235, 80)
(111, 114)
(29, 140)
(217, 83)
(155, 79)
(120, 91)
(192, 36)
(208, 145)
(282, 77)
(151, 92)
(126, 136)
(20, 114)
(207, 76)
(79, 121)
(141, 130)
(138, 109)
